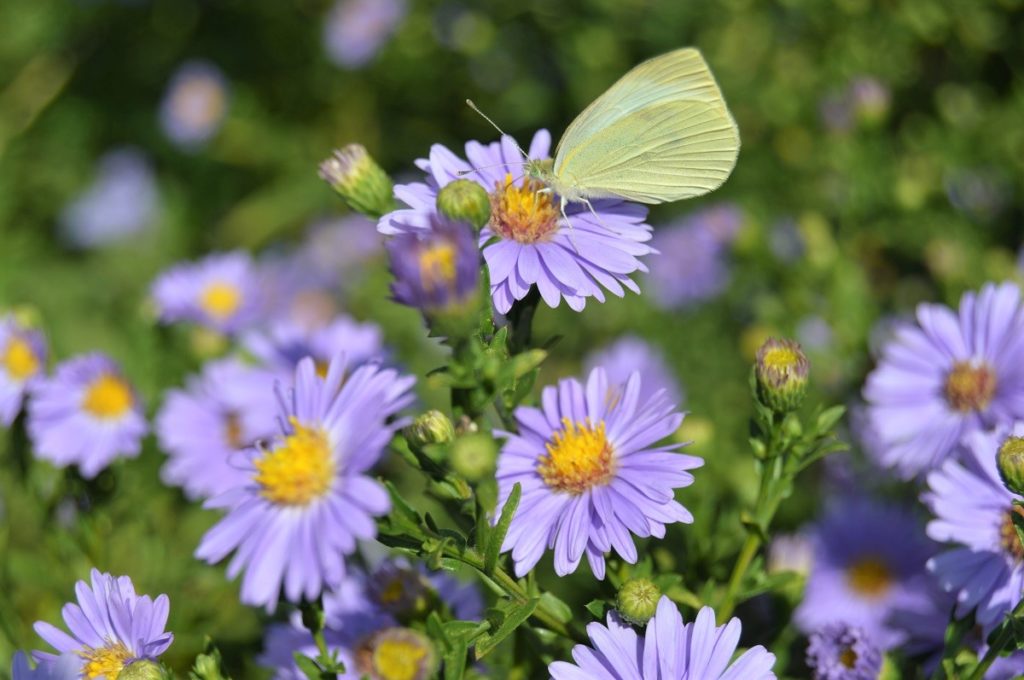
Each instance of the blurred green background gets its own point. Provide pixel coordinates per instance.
(882, 164)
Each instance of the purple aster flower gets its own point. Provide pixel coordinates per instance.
(592, 471)
(573, 258)
(206, 427)
(973, 509)
(122, 200)
(631, 353)
(67, 667)
(436, 269)
(282, 346)
(668, 650)
(110, 626)
(357, 29)
(842, 652)
(947, 377)
(293, 290)
(86, 414)
(220, 292)
(869, 558)
(309, 498)
(194, 105)
(692, 264)
(22, 362)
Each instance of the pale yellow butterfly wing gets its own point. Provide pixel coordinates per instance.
(661, 133)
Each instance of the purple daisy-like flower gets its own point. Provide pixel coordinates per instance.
(22, 362)
(294, 290)
(573, 257)
(206, 427)
(220, 292)
(869, 558)
(592, 471)
(122, 200)
(630, 354)
(435, 269)
(973, 509)
(66, 667)
(947, 377)
(668, 650)
(194, 105)
(309, 498)
(85, 414)
(842, 652)
(285, 344)
(691, 265)
(357, 29)
(109, 627)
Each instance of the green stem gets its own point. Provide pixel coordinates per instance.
(1000, 643)
(520, 317)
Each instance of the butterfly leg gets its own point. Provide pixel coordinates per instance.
(572, 231)
(596, 216)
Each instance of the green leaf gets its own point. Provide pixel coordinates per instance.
(498, 535)
(557, 607)
(597, 608)
(513, 615)
(307, 666)
(829, 418)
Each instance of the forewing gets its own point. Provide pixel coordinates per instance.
(680, 75)
(656, 154)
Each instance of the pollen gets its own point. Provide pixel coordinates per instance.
(220, 300)
(522, 213)
(18, 359)
(108, 397)
(437, 266)
(869, 577)
(299, 471)
(848, 657)
(970, 386)
(104, 662)
(1008, 538)
(396, 654)
(578, 458)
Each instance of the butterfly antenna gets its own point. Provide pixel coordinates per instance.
(463, 173)
(495, 126)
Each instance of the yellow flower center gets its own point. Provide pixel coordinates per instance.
(869, 577)
(108, 397)
(298, 471)
(437, 266)
(18, 359)
(105, 662)
(1008, 538)
(521, 213)
(970, 386)
(781, 358)
(848, 657)
(398, 659)
(578, 457)
(220, 300)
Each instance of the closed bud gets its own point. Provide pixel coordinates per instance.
(781, 370)
(432, 427)
(465, 201)
(1010, 461)
(473, 456)
(358, 179)
(143, 669)
(638, 600)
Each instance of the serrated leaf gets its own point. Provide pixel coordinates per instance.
(515, 614)
(497, 536)
(597, 608)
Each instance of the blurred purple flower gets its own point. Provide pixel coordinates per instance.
(66, 667)
(22, 363)
(122, 200)
(340, 249)
(435, 269)
(842, 652)
(220, 291)
(357, 29)
(630, 354)
(194, 104)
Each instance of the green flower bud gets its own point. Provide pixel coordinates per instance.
(473, 456)
(781, 370)
(358, 179)
(432, 427)
(207, 667)
(466, 201)
(143, 669)
(1010, 460)
(638, 600)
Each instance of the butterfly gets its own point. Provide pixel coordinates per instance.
(661, 133)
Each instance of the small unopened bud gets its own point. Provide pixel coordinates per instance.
(143, 669)
(432, 427)
(1010, 461)
(781, 370)
(638, 600)
(466, 201)
(358, 179)
(473, 456)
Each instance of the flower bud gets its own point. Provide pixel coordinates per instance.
(473, 456)
(466, 201)
(396, 653)
(432, 427)
(638, 600)
(358, 179)
(143, 669)
(1010, 460)
(781, 371)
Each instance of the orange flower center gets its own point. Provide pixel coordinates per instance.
(870, 577)
(578, 458)
(1008, 538)
(522, 213)
(970, 386)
